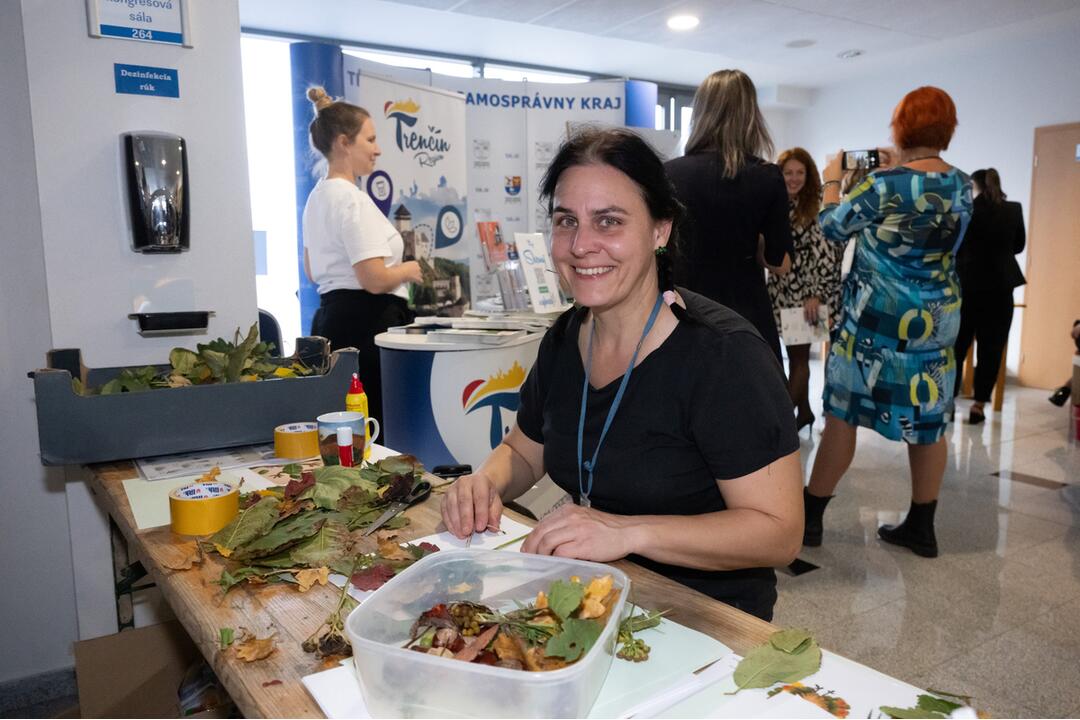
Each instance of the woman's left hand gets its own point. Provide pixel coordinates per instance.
(810, 310)
(582, 533)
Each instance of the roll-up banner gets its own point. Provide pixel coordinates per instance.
(420, 181)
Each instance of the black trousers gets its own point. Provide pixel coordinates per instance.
(985, 316)
(352, 318)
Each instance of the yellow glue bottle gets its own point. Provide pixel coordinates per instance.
(356, 401)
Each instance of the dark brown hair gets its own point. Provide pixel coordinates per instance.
(989, 183)
(630, 154)
(926, 117)
(728, 121)
(333, 118)
(808, 201)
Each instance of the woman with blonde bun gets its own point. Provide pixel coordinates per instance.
(352, 252)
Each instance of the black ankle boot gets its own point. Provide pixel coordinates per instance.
(1061, 395)
(916, 532)
(813, 510)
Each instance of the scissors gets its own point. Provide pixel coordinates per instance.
(419, 492)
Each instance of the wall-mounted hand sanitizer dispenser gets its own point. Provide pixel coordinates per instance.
(157, 191)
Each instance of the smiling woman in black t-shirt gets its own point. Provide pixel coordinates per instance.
(664, 414)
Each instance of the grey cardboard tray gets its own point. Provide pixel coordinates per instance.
(76, 429)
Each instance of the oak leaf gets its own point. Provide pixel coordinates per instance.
(182, 556)
(389, 549)
(308, 577)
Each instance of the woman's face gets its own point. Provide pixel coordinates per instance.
(362, 150)
(603, 239)
(794, 177)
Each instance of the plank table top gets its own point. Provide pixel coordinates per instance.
(292, 616)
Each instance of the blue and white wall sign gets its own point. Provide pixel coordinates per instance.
(161, 21)
(146, 80)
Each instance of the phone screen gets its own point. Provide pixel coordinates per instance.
(861, 159)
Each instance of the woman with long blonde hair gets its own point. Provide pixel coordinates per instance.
(734, 200)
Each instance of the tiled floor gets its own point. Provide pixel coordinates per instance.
(997, 615)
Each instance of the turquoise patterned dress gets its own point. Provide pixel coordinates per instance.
(891, 366)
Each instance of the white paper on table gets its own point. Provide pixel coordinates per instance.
(796, 331)
(630, 689)
(149, 499)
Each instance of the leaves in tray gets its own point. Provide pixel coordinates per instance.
(372, 578)
(183, 361)
(250, 648)
(330, 546)
(927, 706)
(470, 651)
(307, 578)
(791, 640)
(181, 556)
(249, 524)
(576, 638)
(295, 487)
(285, 533)
(765, 664)
(565, 597)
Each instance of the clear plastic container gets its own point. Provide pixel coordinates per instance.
(404, 683)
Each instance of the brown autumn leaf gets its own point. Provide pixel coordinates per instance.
(250, 648)
(292, 506)
(389, 549)
(181, 556)
(372, 578)
(470, 651)
(308, 577)
(268, 683)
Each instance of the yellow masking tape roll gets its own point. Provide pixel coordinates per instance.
(203, 508)
(296, 441)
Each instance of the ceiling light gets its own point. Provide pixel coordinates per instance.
(848, 54)
(682, 22)
(801, 43)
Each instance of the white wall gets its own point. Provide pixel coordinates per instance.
(1002, 92)
(69, 279)
(38, 603)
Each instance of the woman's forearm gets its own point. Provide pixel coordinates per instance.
(377, 278)
(726, 540)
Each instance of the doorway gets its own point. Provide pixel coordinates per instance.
(1052, 294)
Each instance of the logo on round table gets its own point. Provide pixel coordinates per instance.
(513, 185)
(499, 392)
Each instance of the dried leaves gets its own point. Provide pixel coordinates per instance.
(372, 578)
(307, 578)
(250, 648)
(927, 706)
(789, 656)
(181, 556)
(389, 549)
(576, 638)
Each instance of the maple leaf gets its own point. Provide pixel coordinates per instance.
(372, 578)
(307, 578)
(250, 648)
(428, 547)
(295, 487)
(182, 556)
(389, 549)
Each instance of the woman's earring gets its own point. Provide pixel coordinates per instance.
(662, 250)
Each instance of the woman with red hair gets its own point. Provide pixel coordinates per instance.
(891, 367)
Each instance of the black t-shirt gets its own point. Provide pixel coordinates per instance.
(718, 243)
(709, 404)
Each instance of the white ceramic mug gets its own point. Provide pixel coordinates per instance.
(328, 427)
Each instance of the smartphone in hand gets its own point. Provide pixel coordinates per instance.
(861, 160)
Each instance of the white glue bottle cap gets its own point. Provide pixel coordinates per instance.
(344, 436)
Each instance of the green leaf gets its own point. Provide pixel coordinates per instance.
(565, 597)
(791, 640)
(283, 534)
(293, 470)
(329, 546)
(936, 704)
(331, 483)
(249, 524)
(239, 356)
(576, 638)
(765, 665)
(914, 712)
(400, 464)
(226, 637)
(183, 360)
(215, 361)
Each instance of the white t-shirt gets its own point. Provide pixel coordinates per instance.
(343, 226)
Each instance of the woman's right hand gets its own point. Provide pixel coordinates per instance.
(472, 504)
(412, 272)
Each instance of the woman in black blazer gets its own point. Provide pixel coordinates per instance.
(986, 264)
(736, 202)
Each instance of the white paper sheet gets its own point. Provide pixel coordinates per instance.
(796, 331)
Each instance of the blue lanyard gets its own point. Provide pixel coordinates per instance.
(590, 465)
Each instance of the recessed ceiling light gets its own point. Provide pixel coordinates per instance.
(848, 54)
(801, 43)
(682, 22)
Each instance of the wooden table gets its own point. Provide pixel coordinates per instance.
(280, 608)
